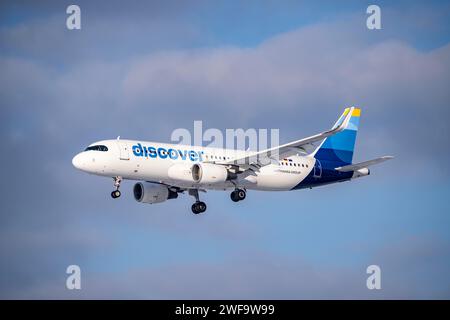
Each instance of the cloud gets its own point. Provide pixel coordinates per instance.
(263, 275)
(284, 77)
(287, 78)
(60, 91)
(106, 34)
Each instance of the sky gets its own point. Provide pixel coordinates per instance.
(142, 69)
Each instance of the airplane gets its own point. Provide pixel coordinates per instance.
(163, 171)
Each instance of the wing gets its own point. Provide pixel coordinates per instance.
(261, 158)
(365, 164)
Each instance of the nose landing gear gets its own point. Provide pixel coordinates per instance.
(116, 193)
(238, 195)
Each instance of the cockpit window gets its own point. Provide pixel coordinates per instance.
(97, 148)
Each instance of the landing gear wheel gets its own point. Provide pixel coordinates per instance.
(198, 207)
(115, 194)
(202, 206)
(238, 195)
(234, 196)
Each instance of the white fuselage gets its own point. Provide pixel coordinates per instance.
(152, 161)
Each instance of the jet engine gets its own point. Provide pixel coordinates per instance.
(208, 173)
(147, 192)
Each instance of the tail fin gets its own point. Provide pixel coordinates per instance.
(337, 150)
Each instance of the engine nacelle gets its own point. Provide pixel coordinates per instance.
(147, 192)
(208, 173)
(361, 173)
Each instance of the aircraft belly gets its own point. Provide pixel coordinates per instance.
(279, 178)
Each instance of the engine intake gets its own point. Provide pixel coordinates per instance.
(147, 192)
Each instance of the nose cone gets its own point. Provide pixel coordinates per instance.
(77, 161)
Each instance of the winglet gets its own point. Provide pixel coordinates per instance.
(346, 120)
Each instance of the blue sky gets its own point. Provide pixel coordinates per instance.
(147, 68)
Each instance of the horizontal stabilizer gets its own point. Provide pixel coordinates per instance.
(365, 164)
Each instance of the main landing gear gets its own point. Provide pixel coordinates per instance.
(116, 193)
(238, 195)
(198, 206)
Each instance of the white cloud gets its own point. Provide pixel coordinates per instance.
(297, 81)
